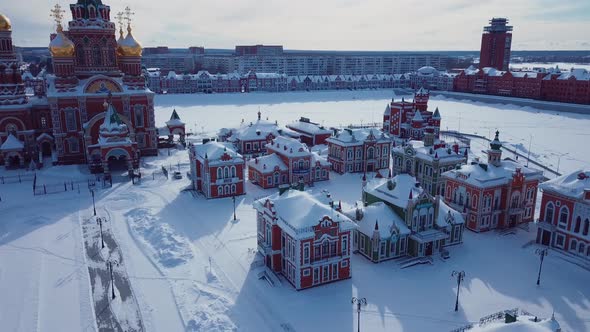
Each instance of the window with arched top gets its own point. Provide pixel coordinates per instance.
(233, 188)
(226, 189)
(549, 211)
(96, 55)
(581, 248)
(220, 191)
(219, 173)
(226, 172)
(563, 217)
(577, 224)
(233, 171)
(370, 153)
(586, 227)
(11, 129)
(138, 113)
(573, 245)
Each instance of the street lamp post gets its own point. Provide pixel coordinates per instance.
(99, 222)
(542, 253)
(559, 161)
(93, 206)
(110, 267)
(460, 276)
(234, 200)
(359, 302)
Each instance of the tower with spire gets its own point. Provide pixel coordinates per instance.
(495, 151)
(409, 120)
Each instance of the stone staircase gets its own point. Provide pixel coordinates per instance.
(411, 261)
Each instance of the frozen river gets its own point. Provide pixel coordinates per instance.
(554, 137)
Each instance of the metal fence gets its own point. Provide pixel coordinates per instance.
(19, 178)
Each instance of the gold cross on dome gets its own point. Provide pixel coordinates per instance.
(57, 13)
(128, 14)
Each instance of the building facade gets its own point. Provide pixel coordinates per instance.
(411, 120)
(308, 249)
(496, 195)
(251, 139)
(427, 161)
(564, 221)
(430, 224)
(217, 170)
(359, 151)
(496, 42)
(90, 66)
(287, 161)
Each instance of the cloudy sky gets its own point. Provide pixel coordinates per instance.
(329, 24)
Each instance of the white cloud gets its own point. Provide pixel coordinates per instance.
(330, 24)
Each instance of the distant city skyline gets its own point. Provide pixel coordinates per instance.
(379, 25)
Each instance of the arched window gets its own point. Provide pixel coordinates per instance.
(300, 164)
(226, 172)
(581, 248)
(96, 55)
(370, 153)
(226, 189)
(74, 145)
(349, 154)
(573, 245)
(563, 216)
(233, 188)
(219, 191)
(138, 112)
(219, 173)
(577, 224)
(467, 200)
(515, 202)
(233, 171)
(586, 227)
(549, 211)
(414, 220)
(11, 129)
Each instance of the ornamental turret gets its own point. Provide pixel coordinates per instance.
(13, 88)
(421, 99)
(495, 151)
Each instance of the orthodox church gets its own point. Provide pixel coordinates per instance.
(97, 109)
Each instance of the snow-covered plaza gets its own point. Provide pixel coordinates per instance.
(193, 267)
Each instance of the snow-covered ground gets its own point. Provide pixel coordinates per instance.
(193, 268)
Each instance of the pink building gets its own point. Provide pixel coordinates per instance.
(287, 161)
(217, 170)
(564, 222)
(309, 249)
(499, 194)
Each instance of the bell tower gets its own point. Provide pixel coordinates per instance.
(495, 151)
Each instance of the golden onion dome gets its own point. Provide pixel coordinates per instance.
(61, 46)
(5, 23)
(128, 46)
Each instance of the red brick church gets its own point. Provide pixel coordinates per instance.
(94, 75)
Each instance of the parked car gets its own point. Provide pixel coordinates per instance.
(177, 175)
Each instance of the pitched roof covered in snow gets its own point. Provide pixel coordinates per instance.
(267, 164)
(443, 153)
(308, 127)
(388, 222)
(351, 137)
(216, 152)
(487, 175)
(174, 120)
(447, 215)
(403, 187)
(12, 143)
(257, 130)
(298, 212)
(112, 121)
(571, 185)
(288, 146)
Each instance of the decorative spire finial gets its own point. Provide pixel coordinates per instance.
(120, 18)
(58, 14)
(128, 15)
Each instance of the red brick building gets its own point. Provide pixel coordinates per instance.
(309, 249)
(217, 170)
(496, 42)
(287, 161)
(564, 221)
(90, 66)
(499, 194)
(409, 120)
(311, 133)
